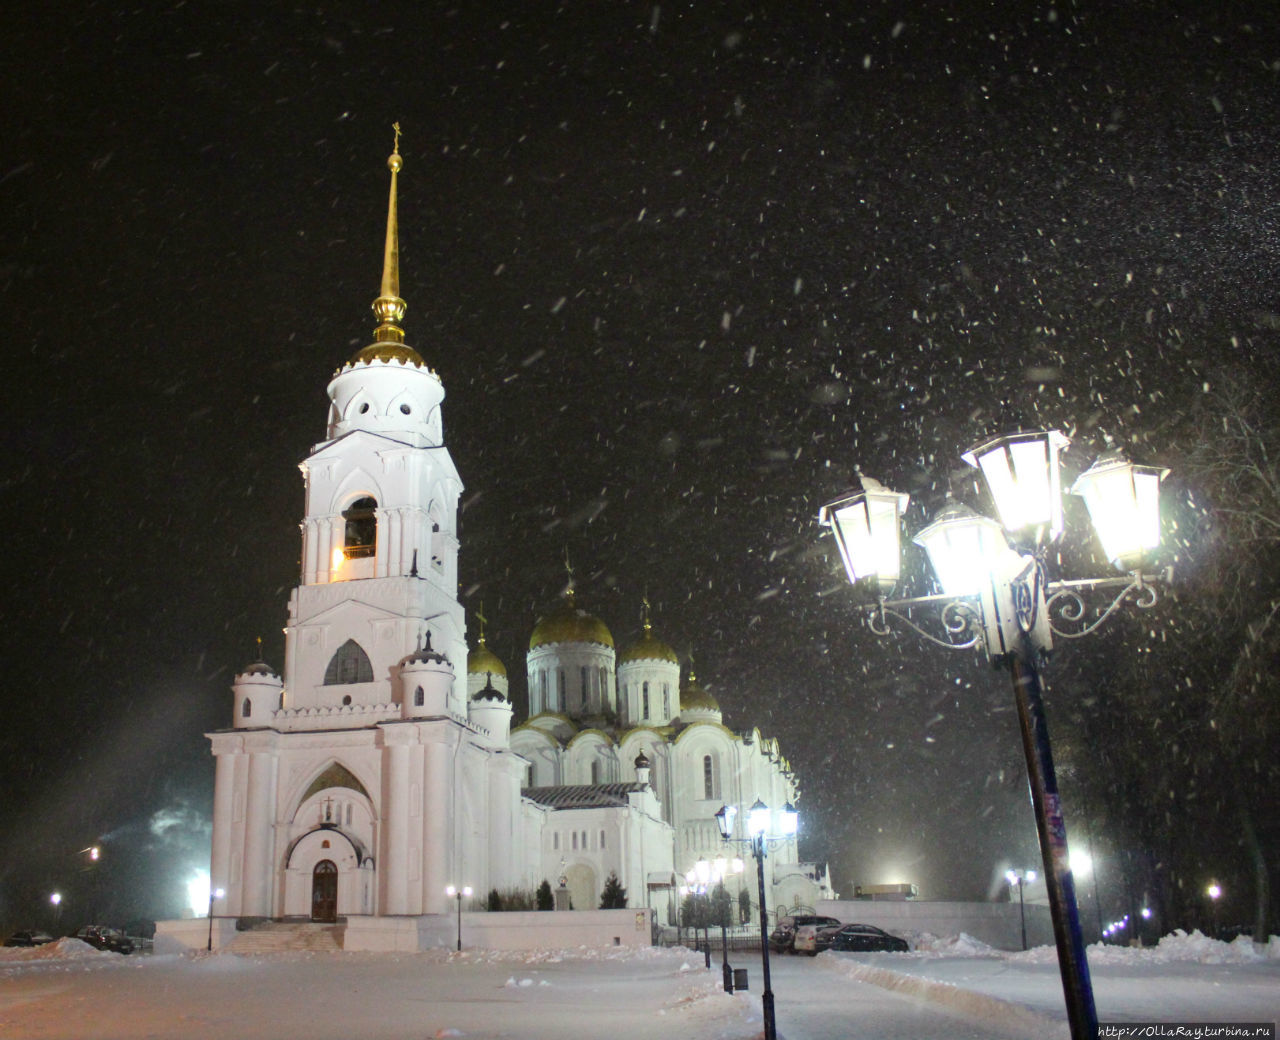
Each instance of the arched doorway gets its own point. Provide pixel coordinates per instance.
(324, 891)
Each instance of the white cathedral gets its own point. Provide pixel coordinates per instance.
(372, 773)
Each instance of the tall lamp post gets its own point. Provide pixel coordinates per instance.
(214, 893)
(56, 900)
(456, 894)
(1017, 879)
(997, 596)
(703, 878)
(763, 830)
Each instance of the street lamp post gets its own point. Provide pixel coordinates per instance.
(1214, 892)
(56, 900)
(997, 596)
(1017, 879)
(761, 833)
(214, 893)
(456, 894)
(703, 878)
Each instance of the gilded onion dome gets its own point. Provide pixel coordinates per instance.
(650, 647)
(482, 660)
(569, 623)
(694, 698)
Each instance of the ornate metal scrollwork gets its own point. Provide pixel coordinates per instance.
(960, 620)
(1067, 606)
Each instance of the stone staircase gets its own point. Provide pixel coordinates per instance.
(287, 937)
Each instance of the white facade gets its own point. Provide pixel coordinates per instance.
(381, 766)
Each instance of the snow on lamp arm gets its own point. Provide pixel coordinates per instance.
(997, 596)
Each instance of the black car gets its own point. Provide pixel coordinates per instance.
(783, 938)
(28, 938)
(103, 938)
(863, 937)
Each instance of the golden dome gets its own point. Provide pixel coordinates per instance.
(569, 624)
(650, 648)
(482, 660)
(694, 698)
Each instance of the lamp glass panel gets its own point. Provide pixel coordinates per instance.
(1124, 505)
(758, 819)
(703, 870)
(963, 554)
(788, 821)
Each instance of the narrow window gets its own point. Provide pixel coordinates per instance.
(246, 709)
(542, 685)
(644, 701)
(595, 771)
(555, 841)
(666, 700)
(419, 698)
(708, 777)
(560, 701)
(602, 839)
(349, 664)
(575, 841)
(361, 532)
(604, 687)
(528, 782)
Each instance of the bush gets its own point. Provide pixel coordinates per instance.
(544, 899)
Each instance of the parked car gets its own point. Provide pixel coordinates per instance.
(864, 937)
(104, 938)
(28, 938)
(814, 938)
(782, 939)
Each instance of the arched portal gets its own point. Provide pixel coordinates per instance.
(324, 891)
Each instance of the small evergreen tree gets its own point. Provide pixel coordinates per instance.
(744, 906)
(546, 901)
(614, 896)
(721, 908)
(494, 903)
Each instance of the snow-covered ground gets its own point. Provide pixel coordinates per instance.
(953, 989)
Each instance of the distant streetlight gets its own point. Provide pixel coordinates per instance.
(56, 900)
(763, 830)
(214, 893)
(1214, 892)
(997, 596)
(1018, 879)
(456, 894)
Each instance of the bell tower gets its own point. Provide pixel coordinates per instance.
(379, 540)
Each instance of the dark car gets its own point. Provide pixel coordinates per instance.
(783, 938)
(28, 938)
(863, 937)
(103, 938)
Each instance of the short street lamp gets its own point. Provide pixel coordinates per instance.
(764, 828)
(1017, 879)
(1214, 892)
(56, 900)
(997, 596)
(705, 876)
(214, 893)
(456, 894)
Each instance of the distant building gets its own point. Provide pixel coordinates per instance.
(373, 772)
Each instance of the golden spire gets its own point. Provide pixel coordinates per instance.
(569, 590)
(645, 614)
(388, 307)
(482, 619)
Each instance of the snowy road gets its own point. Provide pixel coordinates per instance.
(68, 991)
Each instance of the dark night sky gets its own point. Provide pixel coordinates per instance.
(679, 267)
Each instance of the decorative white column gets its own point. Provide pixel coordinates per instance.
(259, 874)
(395, 861)
(220, 858)
(437, 812)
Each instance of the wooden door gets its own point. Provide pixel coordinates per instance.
(324, 891)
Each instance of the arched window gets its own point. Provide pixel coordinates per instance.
(604, 687)
(708, 777)
(419, 698)
(360, 537)
(246, 709)
(349, 664)
(644, 701)
(595, 770)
